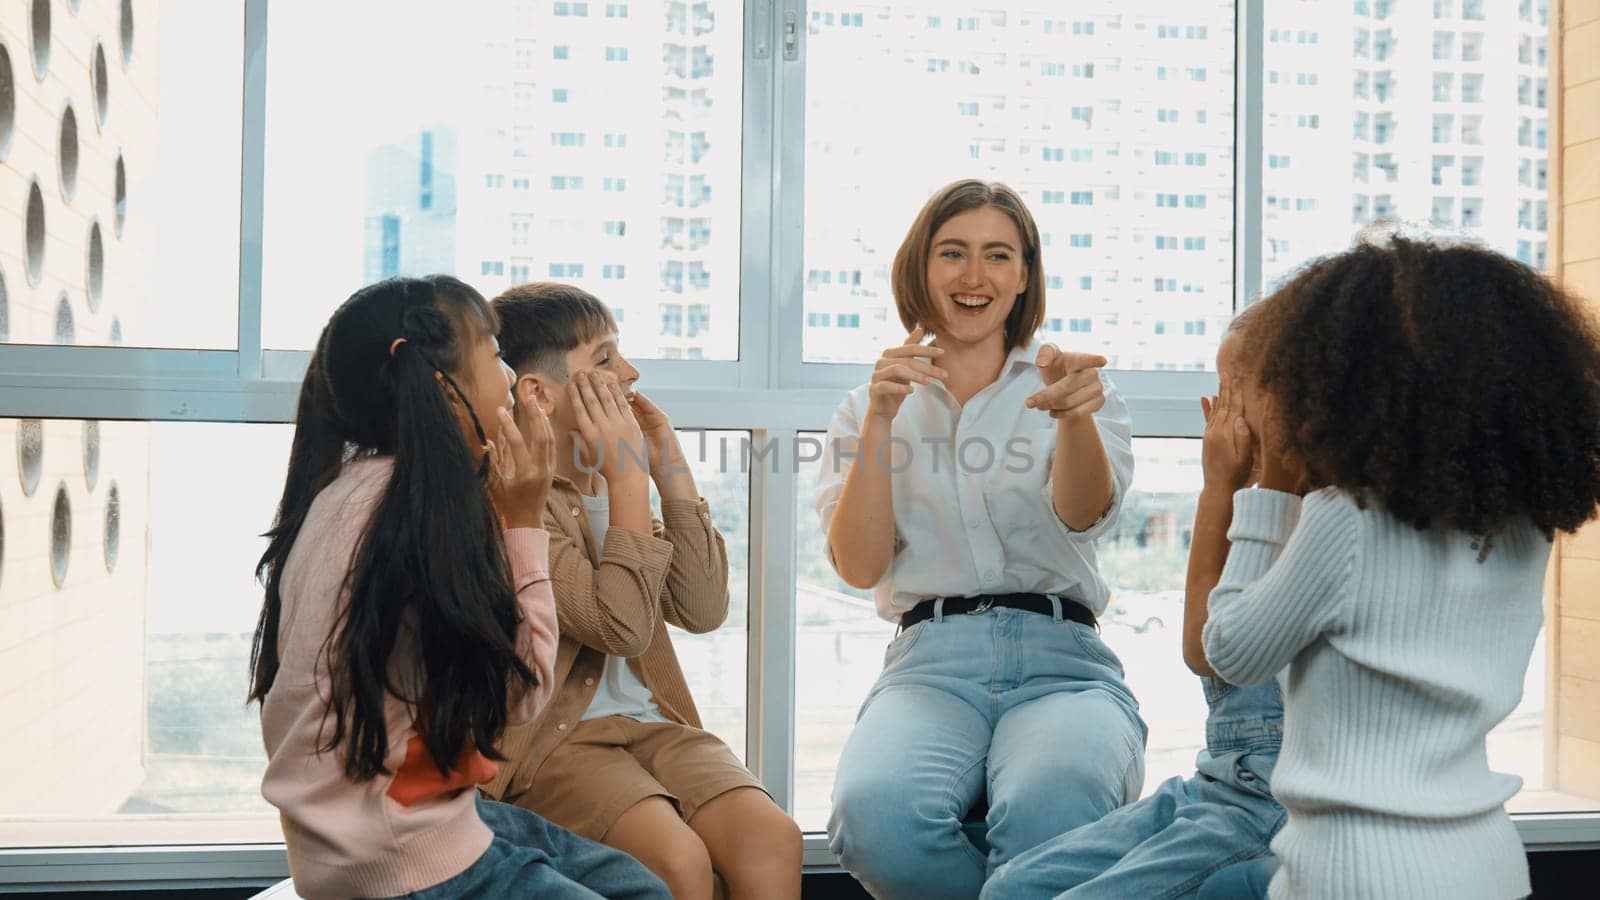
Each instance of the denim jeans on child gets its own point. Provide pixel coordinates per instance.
(1169, 843)
(1246, 880)
(533, 858)
(1022, 712)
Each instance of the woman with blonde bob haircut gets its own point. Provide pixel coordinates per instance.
(965, 484)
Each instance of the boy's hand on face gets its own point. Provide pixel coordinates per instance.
(606, 425)
(661, 437)
(652, 421)
(1228, 448)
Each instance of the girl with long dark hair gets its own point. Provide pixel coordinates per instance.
(409, 616)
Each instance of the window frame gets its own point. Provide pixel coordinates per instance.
(768, 390)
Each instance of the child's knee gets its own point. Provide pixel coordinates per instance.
(683, 863)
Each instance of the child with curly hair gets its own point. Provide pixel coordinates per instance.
(1429, 417)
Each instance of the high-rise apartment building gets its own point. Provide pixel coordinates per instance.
(605, 153)
(1437, 108)
(411, 223)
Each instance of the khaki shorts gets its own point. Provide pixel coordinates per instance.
(610, 764)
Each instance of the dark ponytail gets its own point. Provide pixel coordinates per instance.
(430, 587)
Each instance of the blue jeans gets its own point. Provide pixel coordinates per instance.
(1012, 709)
(1168, 844)
(534, 858)
(1246, 880)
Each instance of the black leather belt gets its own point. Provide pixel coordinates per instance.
(1038, 603)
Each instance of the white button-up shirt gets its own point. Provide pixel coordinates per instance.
(973, 511)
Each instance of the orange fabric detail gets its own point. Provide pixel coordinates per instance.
(418, 778)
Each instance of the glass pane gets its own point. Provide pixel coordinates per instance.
(1456, 148)
(839, 645)
(715, 663)
(125, 652)
(127, 603)
(119, 173)
(594, 143)
(1113, 120)
(1144, 559)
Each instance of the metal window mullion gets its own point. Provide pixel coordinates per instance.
(761, 49)
(770, 695)
(252, 187)
(788, 227)
(1247, 151)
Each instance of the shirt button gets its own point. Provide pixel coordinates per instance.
(574, 510)
(973, 524)
(588, 681)
(561, 727)
(988, 575)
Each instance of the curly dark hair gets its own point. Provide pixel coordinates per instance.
(1447, 383)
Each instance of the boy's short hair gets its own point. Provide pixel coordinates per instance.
(542, 321)
(910, 273)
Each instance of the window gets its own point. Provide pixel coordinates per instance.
(1444, 43)
(1443, 87)
(421, 185)
(1440, 164)
(473, 114)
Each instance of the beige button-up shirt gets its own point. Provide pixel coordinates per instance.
(617, 600)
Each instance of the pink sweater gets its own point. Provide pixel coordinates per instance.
(411, 829)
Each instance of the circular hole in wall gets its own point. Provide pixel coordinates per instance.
(98, 77)
(60, 535)
(91, 453)
(33, 233)
(41, 38)
(127, 32)
(66, 330)
(113, 526)
(67, 153)
(30, 454)
(96, 274)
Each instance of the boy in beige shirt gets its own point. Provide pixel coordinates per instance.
(618, 754)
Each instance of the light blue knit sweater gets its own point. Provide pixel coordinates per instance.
(1404, 650)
